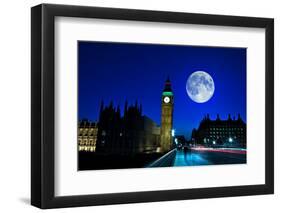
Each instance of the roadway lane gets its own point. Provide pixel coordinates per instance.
(206, 157)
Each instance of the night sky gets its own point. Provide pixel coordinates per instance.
(127, 71)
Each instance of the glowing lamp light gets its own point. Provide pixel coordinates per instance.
(173, 132)
(214, 142)
(230, 140)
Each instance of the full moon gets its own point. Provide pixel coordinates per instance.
(200, 87)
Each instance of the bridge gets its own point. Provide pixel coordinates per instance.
(201, 156)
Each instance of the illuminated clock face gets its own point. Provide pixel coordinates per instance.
(167, 100)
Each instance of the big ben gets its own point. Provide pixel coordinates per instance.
(167, 117)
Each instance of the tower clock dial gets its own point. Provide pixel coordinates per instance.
(167, 100)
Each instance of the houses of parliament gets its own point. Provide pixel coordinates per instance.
(131, 132)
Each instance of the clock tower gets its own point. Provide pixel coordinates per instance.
(167, 105)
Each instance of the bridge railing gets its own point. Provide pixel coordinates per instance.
(166, 160)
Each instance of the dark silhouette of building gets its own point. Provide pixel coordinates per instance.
(128, 134)
(131, 132)
(226, 133)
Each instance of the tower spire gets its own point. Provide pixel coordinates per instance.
(111, 104)
(168, 86)
(101, 108)
(140, 109)
(168, 78)
(218, 117)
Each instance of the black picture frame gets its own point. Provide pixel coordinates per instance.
(43, 102)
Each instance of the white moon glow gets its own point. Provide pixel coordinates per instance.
(200, 86)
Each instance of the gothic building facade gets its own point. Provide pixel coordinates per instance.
(87, 136)
(225, 133)
(128, 134)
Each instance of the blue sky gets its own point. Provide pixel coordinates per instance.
(127, 71)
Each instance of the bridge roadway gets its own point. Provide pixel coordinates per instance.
(196, 157)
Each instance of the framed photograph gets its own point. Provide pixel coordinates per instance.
(139, 106)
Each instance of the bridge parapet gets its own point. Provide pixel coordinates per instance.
(166, 160)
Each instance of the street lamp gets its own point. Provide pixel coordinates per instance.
(173, 133)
